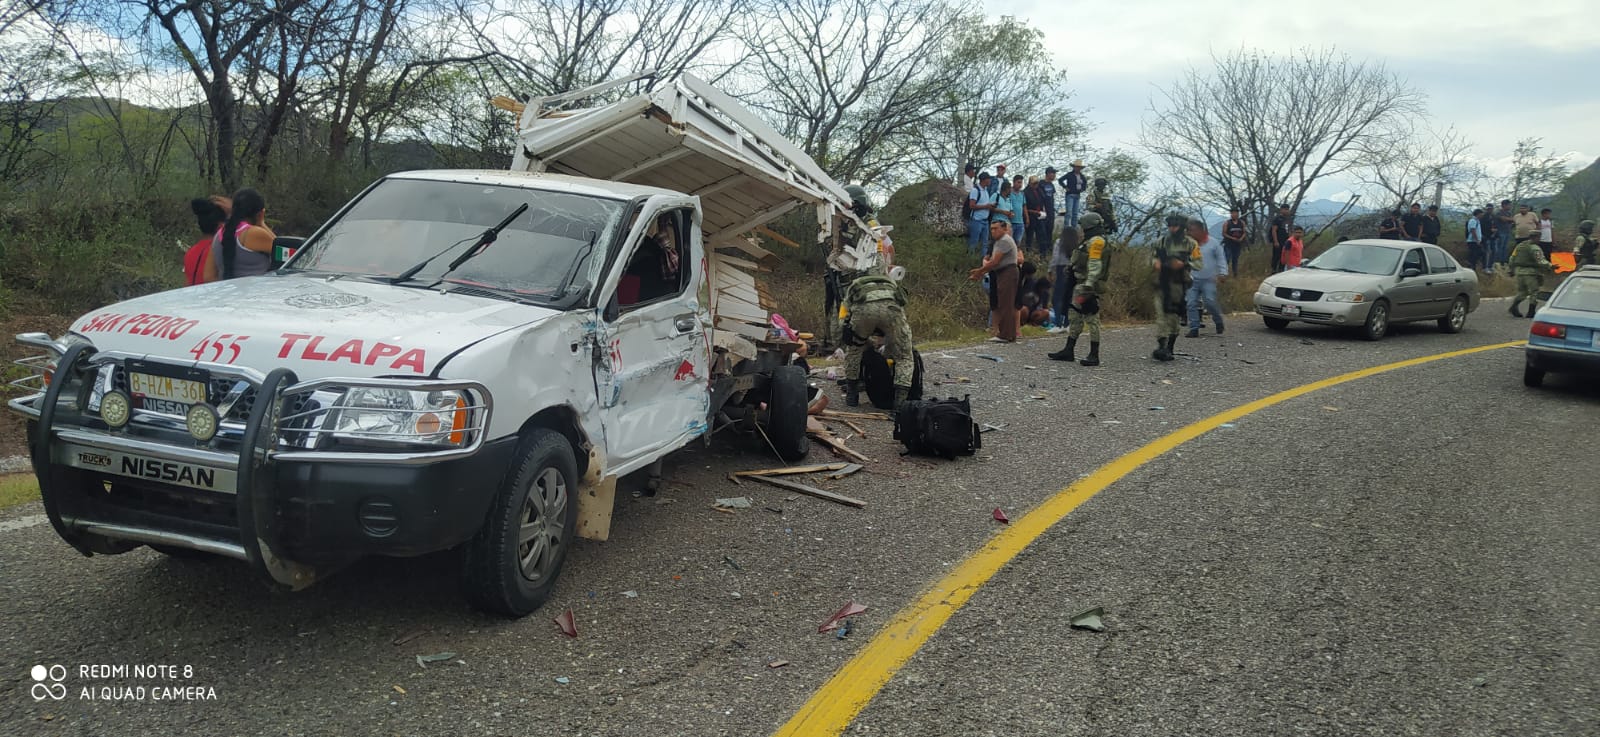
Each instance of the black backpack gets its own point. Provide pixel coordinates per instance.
(941, 427)
(877, 378)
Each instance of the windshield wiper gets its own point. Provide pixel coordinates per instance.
(572, 271)
(482, 245)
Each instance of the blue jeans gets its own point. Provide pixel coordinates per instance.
(1203, 291)
(1058, 293)
(977, 235)
(1071, 209)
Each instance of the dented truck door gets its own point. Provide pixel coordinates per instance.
(651, 371)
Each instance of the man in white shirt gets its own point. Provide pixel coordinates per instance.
(1547, 240)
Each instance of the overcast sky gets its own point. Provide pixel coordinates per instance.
(1497, 71)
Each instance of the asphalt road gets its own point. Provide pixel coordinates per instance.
(1409, 553)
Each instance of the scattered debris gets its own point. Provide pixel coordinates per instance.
(777, 664)
(398, 690)
(734, 502)
(844, 630)
(568, 625)
(954, 380)
(1158, 409)
(424, 660)
(1228, 425)
(850, 609)
(1001, 517)
(409, 636)
(1038, 397)
(736, 594)
(811, 491)
(854, 426)
(631, 594)
(774, 510)
(1030, 368)
(848, 470)
(731, 562)
(835, 414)
(1166, 381)
(1304, 341)
(991, 428)
(988, 357)
(723, 510)
(1089, 620)
(791, 470)
(1330, 409)
(563, 680)
(1248, 361)
(1111, 422)
(821, 434)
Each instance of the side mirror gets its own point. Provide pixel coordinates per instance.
(612, 310)
(284, 246)
(1408, 273)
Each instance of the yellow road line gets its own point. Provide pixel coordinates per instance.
(831, 709)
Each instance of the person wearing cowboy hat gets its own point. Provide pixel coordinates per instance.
(1073, 185)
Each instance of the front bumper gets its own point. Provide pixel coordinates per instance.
(293, 515)
(1320, 312)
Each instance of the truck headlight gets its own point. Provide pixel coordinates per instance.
(1345, 297)
(389, 414)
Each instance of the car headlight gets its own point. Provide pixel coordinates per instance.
(393, 415)
(1345, 297)
(1263, 287)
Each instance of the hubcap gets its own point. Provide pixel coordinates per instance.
(1458, 314)
(1380, 319)
(539, 536)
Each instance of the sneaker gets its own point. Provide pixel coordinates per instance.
(1057, 329)
(998, 339)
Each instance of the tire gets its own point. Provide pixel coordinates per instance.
(1456, 318)
(511, 565)
(786, 414)
(1532, 376)
(1275, 323)
(1377, 324)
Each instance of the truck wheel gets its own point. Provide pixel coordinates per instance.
(786, 414)
(512, 563)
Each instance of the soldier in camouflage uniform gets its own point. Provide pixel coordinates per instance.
(1173, 257)
(876, 304)
(1089, 262)
(1529, 266)
(1100, 203)
(1587, 245)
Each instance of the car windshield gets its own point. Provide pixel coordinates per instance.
(400, 222)
(1580, 294)
(1359, 259)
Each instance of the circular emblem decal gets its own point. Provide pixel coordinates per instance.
(326, 300)
(1295, 294)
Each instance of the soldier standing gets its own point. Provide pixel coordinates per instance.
(1587, 245)
(876, 304)
(1089, 261)
(1100, 203)
(1529, 266)
(1173, 257)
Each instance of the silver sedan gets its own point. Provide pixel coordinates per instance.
(1370, 285)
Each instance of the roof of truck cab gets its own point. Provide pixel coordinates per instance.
(549, 182)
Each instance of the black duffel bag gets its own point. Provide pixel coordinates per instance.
(939, 427)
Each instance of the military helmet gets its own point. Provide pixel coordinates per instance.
(858, 197)
(1177, 220)
(1586, 226)
(1101, 181)
(1090, 220)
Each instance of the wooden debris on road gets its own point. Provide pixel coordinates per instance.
(810, 491)
(848, 470)
(821, 434)
(792, 470)
(836, 414)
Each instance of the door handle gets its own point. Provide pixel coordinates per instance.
(684, 323)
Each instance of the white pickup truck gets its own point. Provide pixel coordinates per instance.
(455, 359)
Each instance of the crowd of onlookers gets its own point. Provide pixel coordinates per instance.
(1489, 232)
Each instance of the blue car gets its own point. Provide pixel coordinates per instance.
(1565, 336)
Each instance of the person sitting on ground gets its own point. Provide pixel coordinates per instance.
(1295, 248)
(1033, 296)
(243, 247)
(209, 216)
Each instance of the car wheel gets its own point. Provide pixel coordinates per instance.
(1377, 324)
(1456, 318)
(1532, 376)
(786, 414)
(511, 565)
(1275, 323)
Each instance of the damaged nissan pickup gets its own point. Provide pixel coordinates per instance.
(455, 360)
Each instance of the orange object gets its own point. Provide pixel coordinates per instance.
(1564, 261)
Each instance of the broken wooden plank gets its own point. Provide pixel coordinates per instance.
(831, 413)
(811, 491)
(720, 259)
(848, 470)
(792, 470)
(774, 235)
(838, 447)
(854, 426)
(753, 332)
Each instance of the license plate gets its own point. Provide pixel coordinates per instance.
(165, 389)
(1291, 310)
